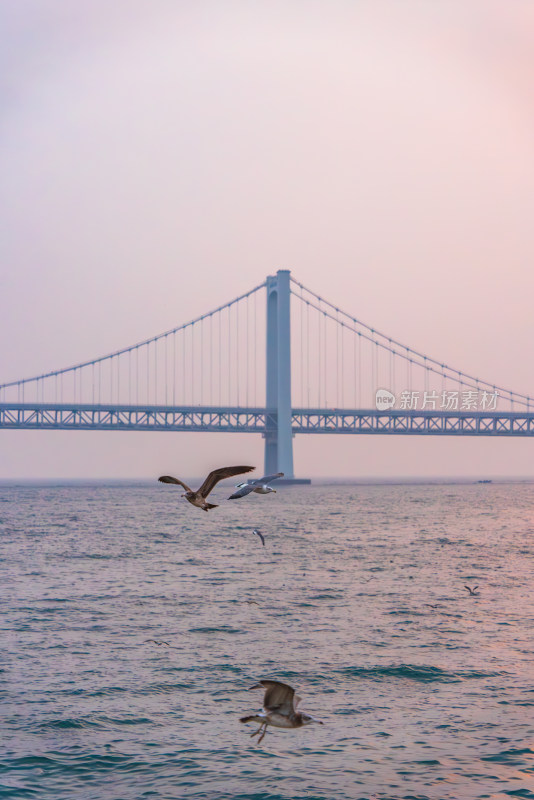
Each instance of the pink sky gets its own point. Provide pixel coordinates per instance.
(160, 158)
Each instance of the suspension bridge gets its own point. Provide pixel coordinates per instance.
(318, 370)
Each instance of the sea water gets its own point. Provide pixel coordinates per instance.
(358, 602)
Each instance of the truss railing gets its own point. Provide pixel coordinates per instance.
(20, 416)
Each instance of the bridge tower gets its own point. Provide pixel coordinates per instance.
(278, 435)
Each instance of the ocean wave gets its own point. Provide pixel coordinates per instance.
(420, 672)
(515, 757)
(216, 629)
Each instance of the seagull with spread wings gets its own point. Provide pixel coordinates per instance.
(279, 704)
(260, 486)
(473, 592)
(198, 498)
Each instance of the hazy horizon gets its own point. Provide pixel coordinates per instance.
(371, 480)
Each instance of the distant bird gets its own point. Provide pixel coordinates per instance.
(473, 592)
(260, 486)
(262, 537)
(252, 602)
(279, 705)
(198, 498)
(154, 641)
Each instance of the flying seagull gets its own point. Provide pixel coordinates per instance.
(279, 705)
(262, 537)
(473, 592)
(198, 498)
(154, 641)
(260, 485)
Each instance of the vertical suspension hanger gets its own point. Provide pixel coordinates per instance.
(308, 381)
(165, 371)
(137, 375)
(325, 357)
(301, 310)
(182, 393)
(211, 361)
(174, 368)
(354, 369)
(201, 360)
(220, 335)
(257, 398)
(392, 365)
(237, 350)
(246, 350)
(344, 328)
(193, 363)
(147, 373)
(229, 360)
(320, 373)
(373, 370)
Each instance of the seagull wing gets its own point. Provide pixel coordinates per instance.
(170, 479)
(218, 475)
(243, 491)
(278, 697)
(269, 478)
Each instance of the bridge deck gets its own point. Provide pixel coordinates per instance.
(42, 416)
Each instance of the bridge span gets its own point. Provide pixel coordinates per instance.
(316, 369)
(28, 416)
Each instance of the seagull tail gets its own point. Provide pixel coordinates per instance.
(248, 719)
(210, 505)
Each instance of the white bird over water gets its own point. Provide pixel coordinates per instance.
(260, 486)
(198, 498)
(279, 704)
